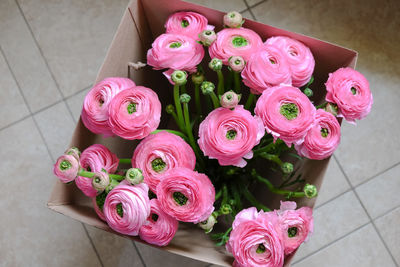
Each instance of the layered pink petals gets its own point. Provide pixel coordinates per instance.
(266, 68)
(322, 139)
(300, 59)
(296, 226)
(256, 239)
(134, 113)
(186, 195)
(235, 42)
(280, 100)
(95, 107)
(349, 89)
(135, 205)
(94, 159)
(230, 135)
(187, 23)
(175, 51)
(160, 227)
(66, 168)
(159, 153)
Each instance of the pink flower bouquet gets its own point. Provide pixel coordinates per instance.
(243, 107)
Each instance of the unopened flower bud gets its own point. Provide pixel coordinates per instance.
(134, 176)
(179, 77)
(215, 64)
(208, 224)
(197, 77)
(230, 99)
(308, 92)
(207, 37)
(310, 190)
(113, 183)
(184, 98)
(100, 181)
(226, 209)
(66, 168)
(170, 109)
(207, 87)
(287, 168)
(331, 108)
(233, 19)
(236, 63)
(74, 151)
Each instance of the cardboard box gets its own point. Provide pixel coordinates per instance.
(141, 23)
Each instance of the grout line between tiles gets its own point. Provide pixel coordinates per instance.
(91, 242)
(140, 255)
(249, 9)
(14, 122)
(386, 213)
(376, 175)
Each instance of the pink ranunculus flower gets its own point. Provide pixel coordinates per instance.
(160, 227)
(66, 168)
(266, 68)
(301, 60)
(176, 52)
(323, 137)
(159, 153)
(187, 23)
(127, 208)
(349, 89)
(256, 239)
(134, 113)
(186, 195)
(230, 135)
(95, 106)
(286, 112)
(94, 159)
(235, 42)
(98, 210)
(296, 225)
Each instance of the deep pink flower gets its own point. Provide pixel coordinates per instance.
(235, 42)
(95, 107)
(97, 209)
(187, 23)
(323, 137)
(230, 135)
(296, 225)
(266, 68)
(159, 153)
(127, 207)
(186, 195)
(134, 113)
(349, 89)
(160, 227)
(256, 239)
(286, 112)
(301, 60)
(94, 159)
(66, 168)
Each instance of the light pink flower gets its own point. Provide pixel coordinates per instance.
(286, 112)
(134, 203)
(301, 60)
(256, 239)
(175, 51)
(186, 195)
(159, 153)
(296, 225)
(187, 23)
(66, 168)
(160, 227)
(322, 139)
(94, 159)
(97, 209)
(266, 68)
(230, 99)
(235, 42)
(230, 135)
(134, 113)
(349, 89)
(95, 107)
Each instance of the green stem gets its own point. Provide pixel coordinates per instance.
(275, 190)
(236, 196)
(91, 174)
(183, 89)
(236, 77)
(271, 157)
(178, 107)
(229, 83)
(214, 99)
(321, 105)
(249, 196)
(220, 89)
(267, 148)
(125, 161)
(190, 134)
(224, 195)
(218, 195)
(249, 101)
(173, 113)
(197, 98)
(178, 133)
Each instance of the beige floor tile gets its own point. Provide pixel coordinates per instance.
(12, 105)
(25, 59)
(57, 127)
(32, 234)
(114, 250)
(332, 221)
(247, 15)
(361, 248)
(388, 226)
(74, 36)
(223, 5)
(155, 257)
(381, 194)
(75, 103)
(368, 148)
(253, 2)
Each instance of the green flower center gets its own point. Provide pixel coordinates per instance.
(158, 165)
(154, 217)
(184, 23)
(231, 134)
(97, 180)
(208, 33)
(239, 41)
(237, 62)
(120, 211)
(289, 111)
(324, 132)
(175, 45)
(353, 90)
(272, 61)
(260, 249)
(292, 232)
(131, 108)
(179, 198)
(100, 199)
(101, 101)
(65, 165)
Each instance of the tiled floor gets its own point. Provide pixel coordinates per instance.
(50, 51)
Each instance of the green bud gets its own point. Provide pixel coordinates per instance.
(113, 183)
(207, 87)
(134, 176)
(287, 167)
(179, 77)
(331, 108)
(208, 224)
(74, 151)
(215, 64)
(226, 209)
(308, 92)
(197, 78)
(184, 98)
(310, 190)
(170, 109)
